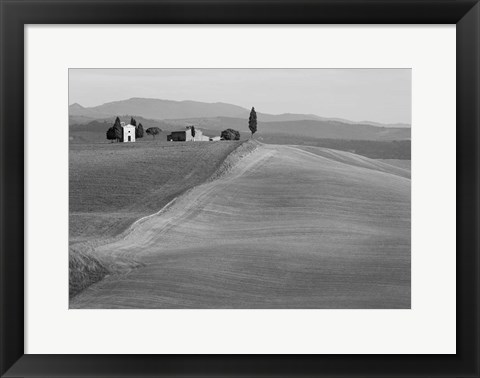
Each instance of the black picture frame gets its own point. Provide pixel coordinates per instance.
(17, 13)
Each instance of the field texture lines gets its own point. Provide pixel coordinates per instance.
(286, 227)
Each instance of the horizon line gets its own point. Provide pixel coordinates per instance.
(226, 103)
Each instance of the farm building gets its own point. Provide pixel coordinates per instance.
(128, 133)
(187, 135)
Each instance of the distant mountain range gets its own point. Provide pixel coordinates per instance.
(157, 109)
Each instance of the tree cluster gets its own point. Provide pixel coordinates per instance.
(115, 133)
(230, 134)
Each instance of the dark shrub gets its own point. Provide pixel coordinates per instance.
(153, 131)
(230, 134)
(117, 127)
(111, 134)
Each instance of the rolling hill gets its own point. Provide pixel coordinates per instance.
(89, 125)
(306, 128)
(370, 141)
(106, 194)
(286, 227)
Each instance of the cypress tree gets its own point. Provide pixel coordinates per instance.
(252, 121)
(117, 127)
(139, 131)
(133, 122)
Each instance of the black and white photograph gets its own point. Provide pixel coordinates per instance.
(252, 188)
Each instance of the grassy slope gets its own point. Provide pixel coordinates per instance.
(286, 228)
(359, 161)
(405, 164)
(373, 149)
(112, 185)
(391, 150)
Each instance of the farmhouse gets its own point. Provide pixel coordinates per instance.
(128, 133)
(187, 135)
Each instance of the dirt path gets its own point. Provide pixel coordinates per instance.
(285, 228)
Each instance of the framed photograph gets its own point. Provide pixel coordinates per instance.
(239, 188)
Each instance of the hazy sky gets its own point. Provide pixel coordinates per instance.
(381, 95)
